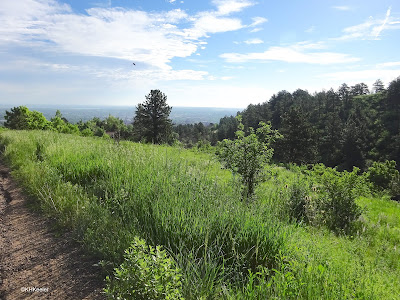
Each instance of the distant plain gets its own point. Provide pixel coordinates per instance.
(179, 114)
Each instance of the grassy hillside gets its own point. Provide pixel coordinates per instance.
(110, 193)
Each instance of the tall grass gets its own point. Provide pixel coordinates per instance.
(168, 197)
(109, 194)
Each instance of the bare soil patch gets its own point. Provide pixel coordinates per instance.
(36, 262)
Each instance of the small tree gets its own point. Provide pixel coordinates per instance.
(247, 155)
(151, 121)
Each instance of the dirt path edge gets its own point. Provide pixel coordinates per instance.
(35, 261)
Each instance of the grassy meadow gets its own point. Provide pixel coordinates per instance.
(111, 193)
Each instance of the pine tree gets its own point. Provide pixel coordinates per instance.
(151, 122)
(379, 87)
(299, 143)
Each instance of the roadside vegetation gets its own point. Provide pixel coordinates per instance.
(156, 211)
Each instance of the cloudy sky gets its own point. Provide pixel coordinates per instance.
(212, 53)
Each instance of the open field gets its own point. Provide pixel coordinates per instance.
(109, 193)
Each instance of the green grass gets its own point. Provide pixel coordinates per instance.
(110, 193)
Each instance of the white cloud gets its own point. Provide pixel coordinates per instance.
(25, 17)
(125, 34)
(377, 30)
(254, 41)
(297, 53)
(258, 21)
(309, 45)
(217, 21)
(150, 38)
(256, 30)
(342, 7)
(208, 23)
(372, 28)
(227, 7)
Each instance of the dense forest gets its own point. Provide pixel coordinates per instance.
(351, 126)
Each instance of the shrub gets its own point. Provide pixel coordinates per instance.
(87, 132)
(298, 200)
(336, 204)
(384, 176)
(146, 273)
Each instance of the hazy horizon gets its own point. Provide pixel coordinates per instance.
(179, 114)
(80, 106)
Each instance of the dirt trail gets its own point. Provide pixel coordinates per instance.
(35, 263)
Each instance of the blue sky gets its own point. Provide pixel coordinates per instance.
(212, 53)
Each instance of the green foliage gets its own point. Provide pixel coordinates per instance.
(247, 155)
(336, 201)
(87, 132)
(192, 134)
(17, 118)
(298, 144)
(384, 176)
(299, 201)
(151, 122)
(146, 273)
(22, 118)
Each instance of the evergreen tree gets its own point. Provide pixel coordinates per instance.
(151, 122)
(354, 141)
(298, 144)
(227, 127)
(359, 89)
(392, 119)
(331, 141)
(379, 87)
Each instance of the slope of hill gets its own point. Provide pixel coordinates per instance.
(110, 193)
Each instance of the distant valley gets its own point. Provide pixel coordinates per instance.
(179, 115)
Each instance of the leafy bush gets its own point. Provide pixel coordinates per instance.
(384, 176)
(336, 204)
(297, 200)
(147, 273)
